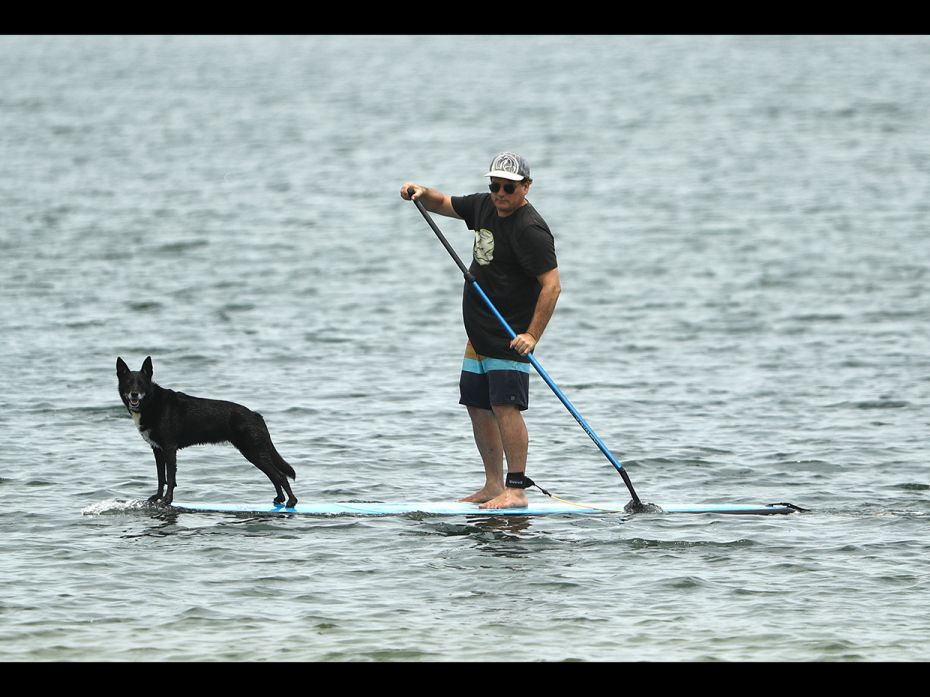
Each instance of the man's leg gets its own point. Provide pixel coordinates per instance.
(499, 431)
(514, 441)
(488, 440)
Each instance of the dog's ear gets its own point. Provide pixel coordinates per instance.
(121, 367)
(147, 366)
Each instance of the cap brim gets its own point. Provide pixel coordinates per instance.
(505, 175)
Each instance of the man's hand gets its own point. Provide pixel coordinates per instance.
(523, 344)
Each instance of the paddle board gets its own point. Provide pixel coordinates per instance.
(446, 508)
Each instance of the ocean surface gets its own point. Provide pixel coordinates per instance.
(742, 231)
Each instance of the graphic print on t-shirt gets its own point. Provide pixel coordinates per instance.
(484, 246)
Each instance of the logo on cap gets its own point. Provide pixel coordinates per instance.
(509, 165)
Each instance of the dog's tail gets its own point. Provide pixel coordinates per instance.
(284, 467)
(279, 462)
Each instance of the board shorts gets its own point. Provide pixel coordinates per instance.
(493, 381)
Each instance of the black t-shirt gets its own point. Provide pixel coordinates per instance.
(509, 253)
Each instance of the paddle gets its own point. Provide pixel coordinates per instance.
(634, 506)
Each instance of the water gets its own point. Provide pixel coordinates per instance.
(741, 229)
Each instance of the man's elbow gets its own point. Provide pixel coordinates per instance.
(552, 283)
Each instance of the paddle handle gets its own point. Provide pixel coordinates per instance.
(469, 277)
(442, 238)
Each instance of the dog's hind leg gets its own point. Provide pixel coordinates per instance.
(259, 454)
(283, 471)
(254, 442)
(291, 499)
(262, 460)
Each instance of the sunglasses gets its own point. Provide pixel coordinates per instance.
(496, 186)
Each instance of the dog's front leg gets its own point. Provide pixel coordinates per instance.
(160, 468)
(171, 470)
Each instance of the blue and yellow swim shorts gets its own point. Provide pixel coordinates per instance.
(493, 381)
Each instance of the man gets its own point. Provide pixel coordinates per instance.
(515, 264)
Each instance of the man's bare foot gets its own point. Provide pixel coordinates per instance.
(486, 493)
(510, 498)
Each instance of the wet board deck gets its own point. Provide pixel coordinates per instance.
(460, 508)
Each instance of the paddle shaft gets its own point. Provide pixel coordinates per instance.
(470, 279)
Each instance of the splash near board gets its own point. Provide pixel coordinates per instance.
(447, 508)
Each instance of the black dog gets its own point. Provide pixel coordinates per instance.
(169, 421)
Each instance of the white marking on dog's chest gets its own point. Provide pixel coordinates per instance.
(137, 418)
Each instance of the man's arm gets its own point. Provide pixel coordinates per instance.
(545, 306)
(432, 200)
